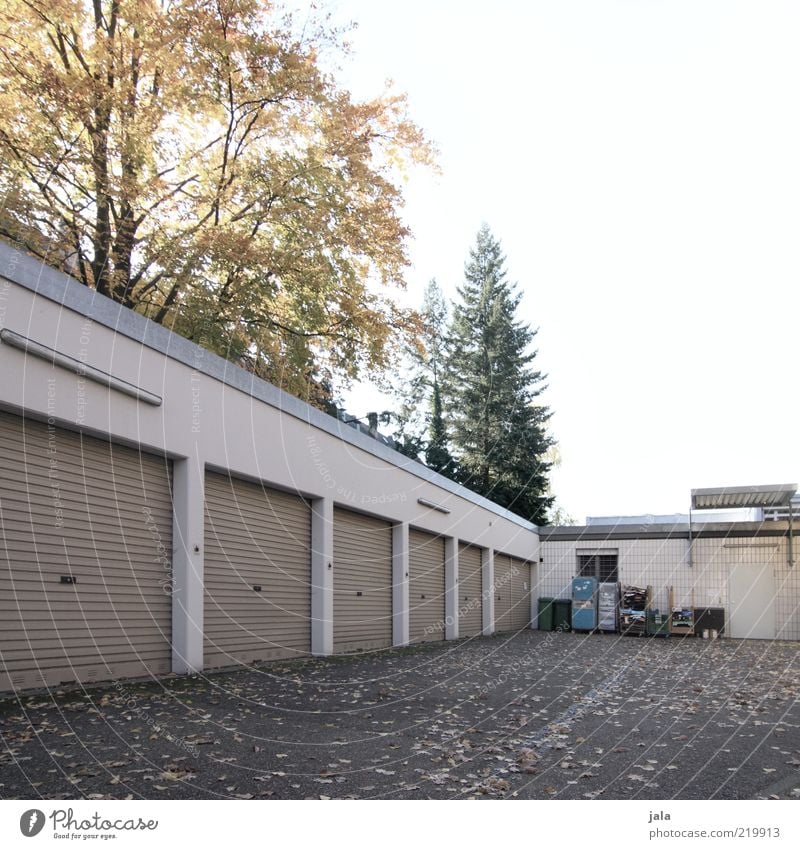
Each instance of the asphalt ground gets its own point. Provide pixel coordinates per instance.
(532, 716)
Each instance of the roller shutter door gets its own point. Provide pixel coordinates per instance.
(76, 507)
(502, 592)
(362, 582)
(426, 587)
(257, 602)
(520, 594)
(470, 591)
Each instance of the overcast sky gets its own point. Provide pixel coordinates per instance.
(640, 162)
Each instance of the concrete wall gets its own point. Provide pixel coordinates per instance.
(215, 415)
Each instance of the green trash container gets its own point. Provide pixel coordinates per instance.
(562, 619)
(545, 614)
(657, 624)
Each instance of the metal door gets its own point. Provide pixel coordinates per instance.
(362, 582)
(426, 587)
(85, 559)
(257, 600)
(752, 601)
(470, 591)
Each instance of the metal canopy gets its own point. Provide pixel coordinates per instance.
(728, 497)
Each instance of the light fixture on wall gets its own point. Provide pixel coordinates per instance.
(433, 505)
(84, 370)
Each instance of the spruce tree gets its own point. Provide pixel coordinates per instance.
(498, 428)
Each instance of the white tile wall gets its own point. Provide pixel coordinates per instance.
(664, 563)
(787, 589)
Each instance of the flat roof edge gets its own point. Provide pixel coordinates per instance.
(578, 533)
(36, 276)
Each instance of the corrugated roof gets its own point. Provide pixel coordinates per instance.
(725, 497)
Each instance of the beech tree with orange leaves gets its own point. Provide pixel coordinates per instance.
(192, 160)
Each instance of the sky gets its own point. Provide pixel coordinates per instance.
(639, 160)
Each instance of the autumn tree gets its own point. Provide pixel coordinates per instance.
(557, 514)
(192, 160)
(498, 425)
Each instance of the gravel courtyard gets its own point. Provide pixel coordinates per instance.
(531, 716)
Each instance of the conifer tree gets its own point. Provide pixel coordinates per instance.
(422, 421)
(498, 428)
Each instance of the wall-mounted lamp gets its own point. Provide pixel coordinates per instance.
(433, 505)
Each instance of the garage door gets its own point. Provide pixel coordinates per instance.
(502, 592)
(470, 598)
(425, 587)
(85, 558)
(362, 582)
(520, 594)
(257, 603)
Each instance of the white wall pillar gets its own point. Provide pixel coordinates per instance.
(487, 576)
(451, 588)
(400, 617)
(534, 596)
(322, 576)
(188, 520)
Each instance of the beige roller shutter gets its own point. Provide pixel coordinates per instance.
(426, 587)
(520, 594)
(502, 592)
(362, 582)
(257, 603)
(76, 508)
(470, 591)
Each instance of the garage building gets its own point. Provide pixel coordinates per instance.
(163, 510)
